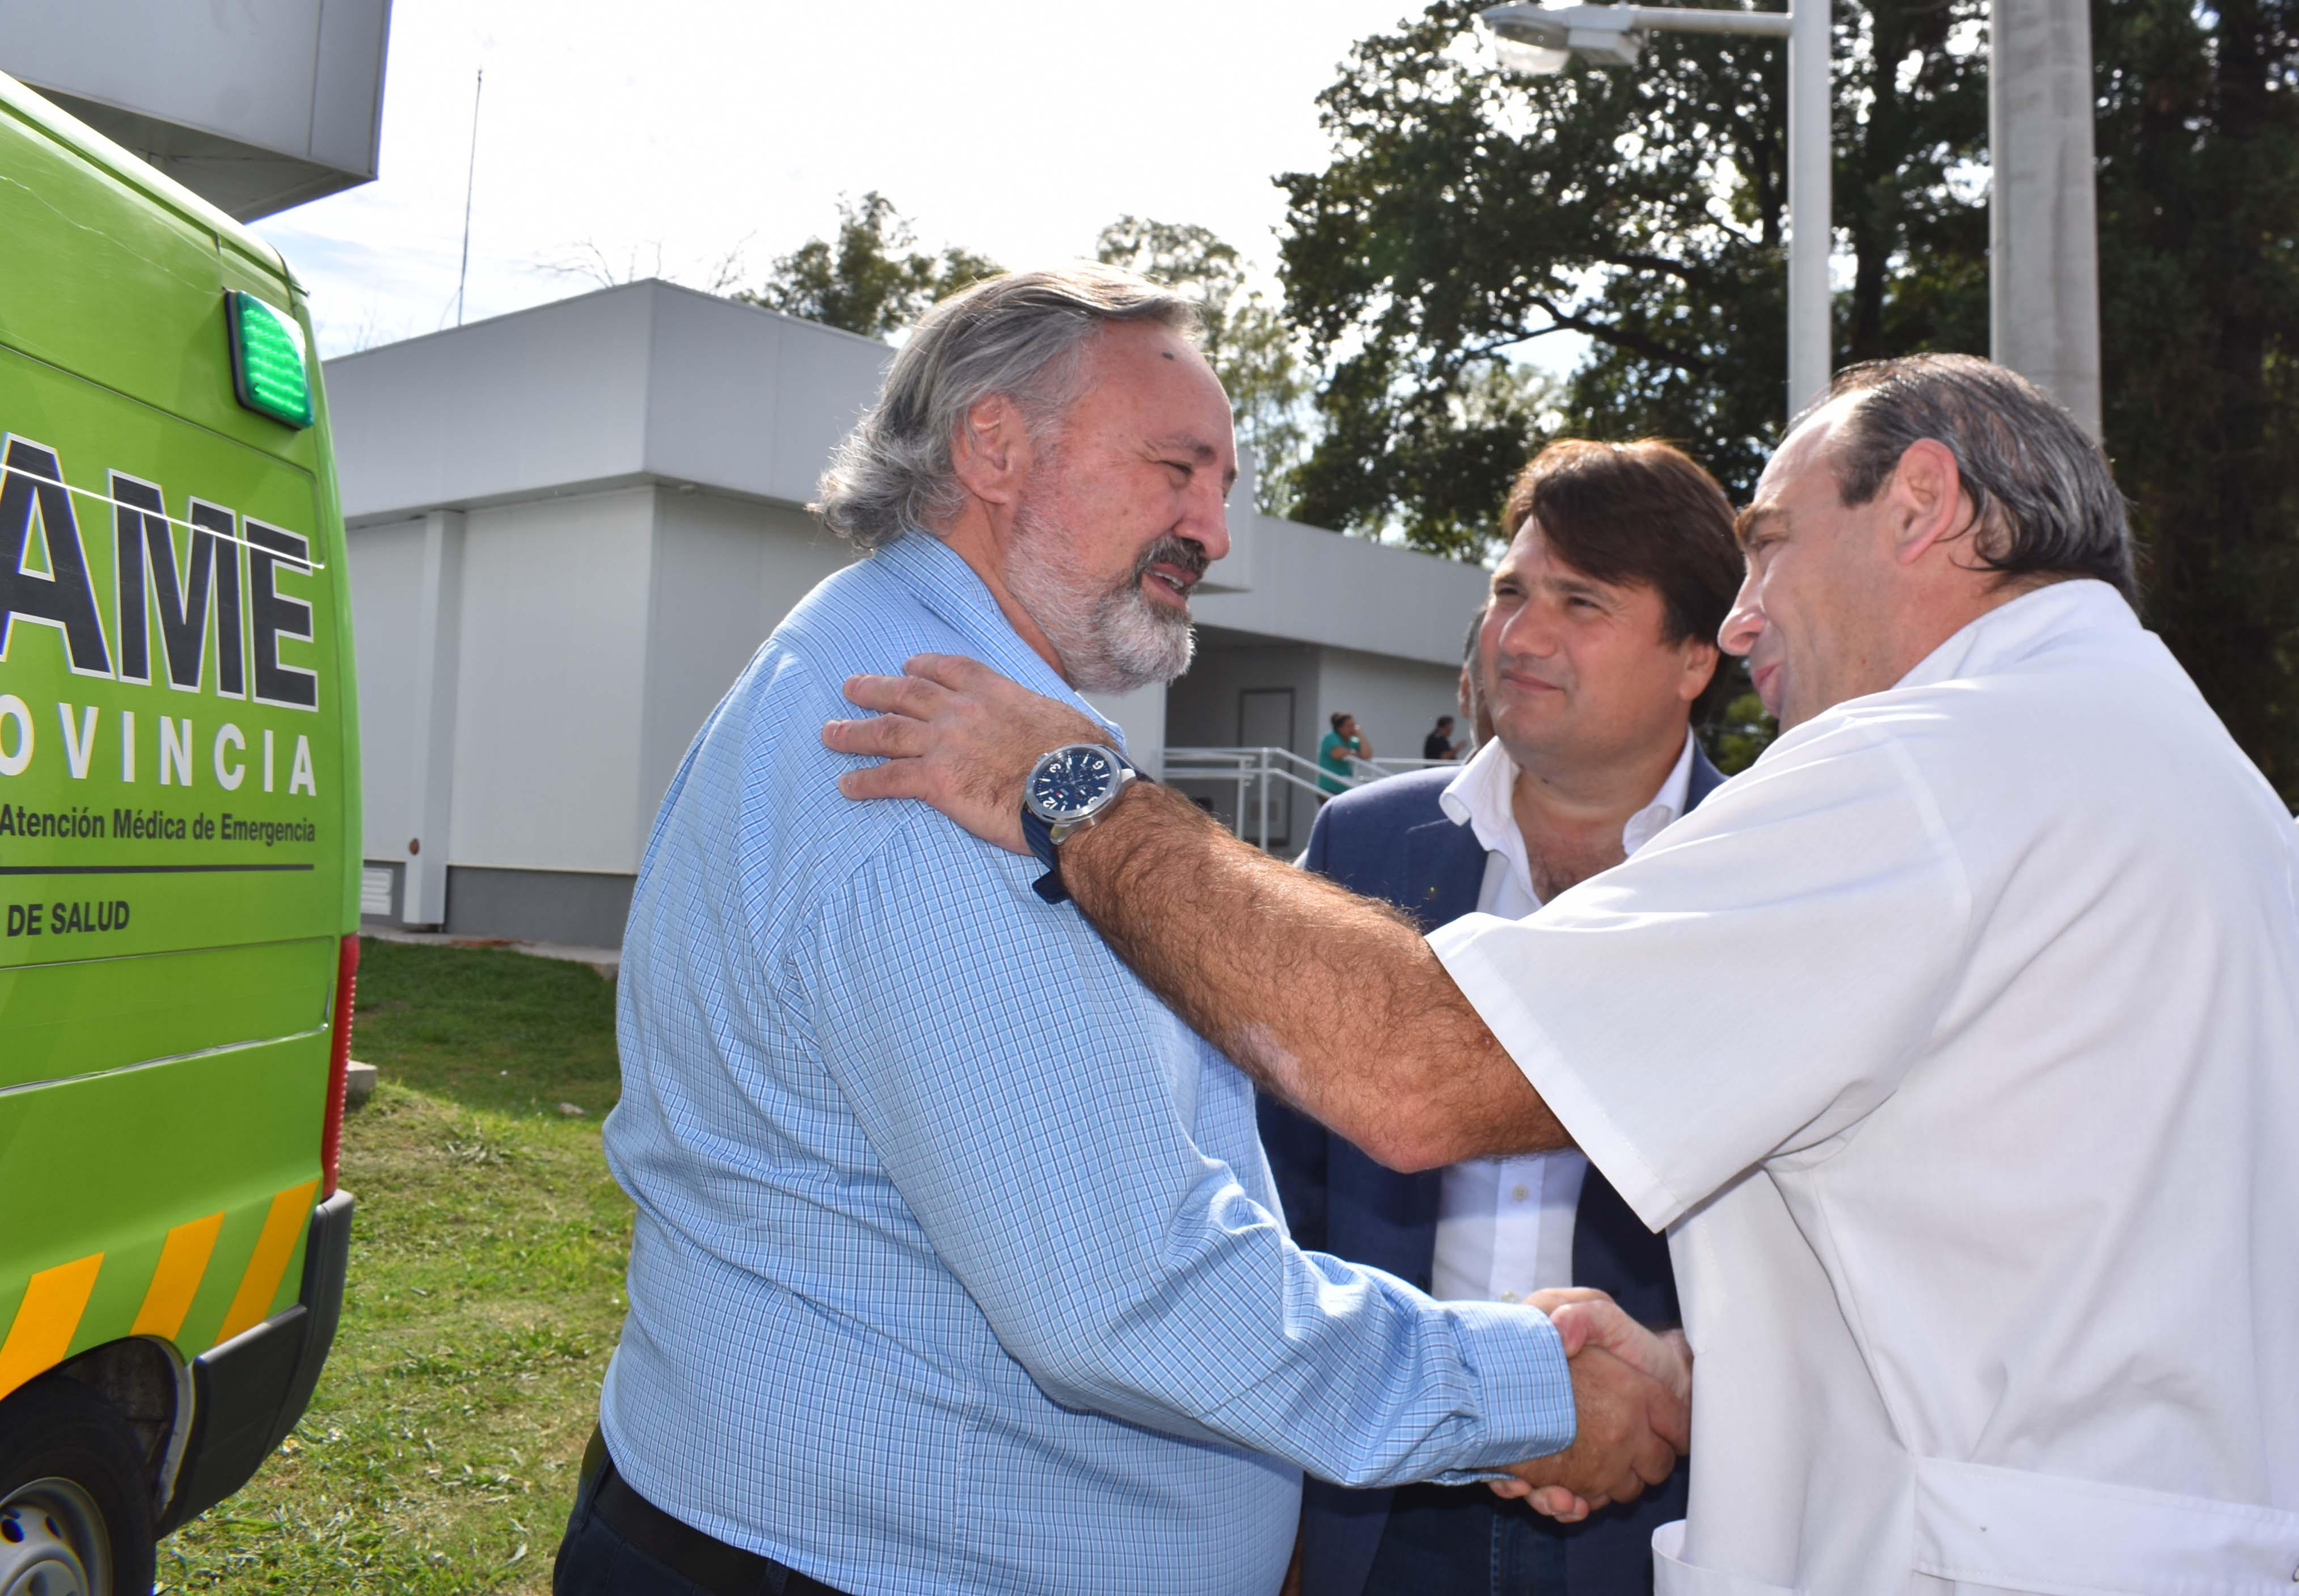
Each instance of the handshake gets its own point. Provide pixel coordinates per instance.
(1632, 1391)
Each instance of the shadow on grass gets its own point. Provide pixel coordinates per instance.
(486, 1027)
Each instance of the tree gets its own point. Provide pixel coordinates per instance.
(1466, 213)
(2198, 143)
(1740, 731)
(1246, 340)
(870, 280)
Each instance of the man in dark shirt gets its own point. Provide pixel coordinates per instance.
(1438, 743)
(1592, 655)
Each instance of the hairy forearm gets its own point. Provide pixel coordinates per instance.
(1330, 1000)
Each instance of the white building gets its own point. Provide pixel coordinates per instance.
(572, 526)
(254, 105)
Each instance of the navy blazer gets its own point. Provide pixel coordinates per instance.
(1392, 839)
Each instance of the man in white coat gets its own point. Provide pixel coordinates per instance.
(1955, 1043)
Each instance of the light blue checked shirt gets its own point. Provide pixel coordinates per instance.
(956, 1265)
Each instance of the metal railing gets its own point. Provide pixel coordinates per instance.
(1259, 775)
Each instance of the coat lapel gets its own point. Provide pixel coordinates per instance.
(1706, 777)
(1445, 870)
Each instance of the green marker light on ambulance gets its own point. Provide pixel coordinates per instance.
(268, 369)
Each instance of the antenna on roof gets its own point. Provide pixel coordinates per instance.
(463, 272)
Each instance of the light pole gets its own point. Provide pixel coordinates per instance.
(2043, 229)
(1536, 39)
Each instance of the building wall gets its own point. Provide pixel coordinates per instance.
(1202, 706)
(644, 382)
(254, 104)
(553, 664)
(579, 908)
(1143, 717)
(596, 634)
(749, 399)
(386, 573)
(725, 572)
(1203, 709)
(507, 408)
(1397, 701)
(572, 528)
(1313, 586)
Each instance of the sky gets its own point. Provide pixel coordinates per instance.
(671, 138)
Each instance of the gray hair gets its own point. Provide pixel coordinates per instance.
(1022, 335)
(2045, 500)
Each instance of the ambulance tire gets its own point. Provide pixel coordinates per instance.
(73, 1491)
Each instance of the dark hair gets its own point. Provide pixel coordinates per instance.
(1477, 630)
(2045, 500)
(1640, 514)
(1444, 720)
(1337, 717)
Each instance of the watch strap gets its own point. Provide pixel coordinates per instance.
(1040, 838)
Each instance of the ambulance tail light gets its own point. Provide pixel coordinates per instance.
(339, 1059)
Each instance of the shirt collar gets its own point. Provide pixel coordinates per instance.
(2013, 630)
(940, 578)
(1482, 798)
(1479, 798)
(1675, 793)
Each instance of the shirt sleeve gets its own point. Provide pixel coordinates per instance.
(1751, 983)
(1024, 1095)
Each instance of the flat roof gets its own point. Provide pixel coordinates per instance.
(650, 382)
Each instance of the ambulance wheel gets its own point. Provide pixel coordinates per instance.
(75, 1509)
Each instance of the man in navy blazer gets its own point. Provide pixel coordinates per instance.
(1592, 657)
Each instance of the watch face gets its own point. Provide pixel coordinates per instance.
(1068, 782)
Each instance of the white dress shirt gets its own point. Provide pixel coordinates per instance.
(1956, 1043)
(1504, 1225)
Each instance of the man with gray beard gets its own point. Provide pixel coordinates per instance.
(957, 1266)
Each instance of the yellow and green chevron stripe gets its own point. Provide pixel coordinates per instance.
(206, 1281)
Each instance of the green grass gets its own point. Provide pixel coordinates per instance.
(485, 1293)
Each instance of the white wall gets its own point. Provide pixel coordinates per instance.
(540, 401)
(595, 634)
(725, 572)
(1313, 586)
(415, 594)
(749, 399)
(554, 664)
(1202, 706)
(1397, 702)
(621, 476)
(1141, 716)
(643, 381)
(1202, 712)
(386, 575)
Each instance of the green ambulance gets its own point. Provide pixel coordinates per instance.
(179, 821)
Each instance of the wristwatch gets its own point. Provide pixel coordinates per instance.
(1068, 790)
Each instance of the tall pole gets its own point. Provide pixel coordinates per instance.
(1811, 136)
(463, 272)
(1537, 40)
(2043, 229)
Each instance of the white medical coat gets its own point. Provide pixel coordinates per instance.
(1957, 1044)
